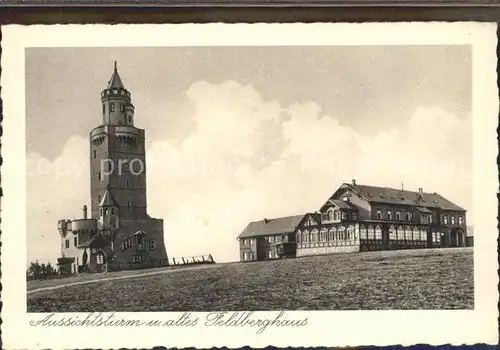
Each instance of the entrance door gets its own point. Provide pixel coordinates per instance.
(453, 239)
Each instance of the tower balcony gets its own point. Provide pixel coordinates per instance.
(98, 135)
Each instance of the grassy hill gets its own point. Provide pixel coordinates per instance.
(407, 279)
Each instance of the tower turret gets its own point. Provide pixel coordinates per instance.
(118, 156)
(117, 108)
(109, 211)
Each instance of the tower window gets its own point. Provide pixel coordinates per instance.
(95, 154)
(106, 211)
(100, 211)
(67, 243)
(112, 107)
(99, 198)
(130, 119)
(128, 182)
(128, 204)
(103, 109)
(76, 241)
(112, 211)
(99, 176)
(122, 108)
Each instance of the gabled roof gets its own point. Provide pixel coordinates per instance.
(269, 227)
(341, 204)
(115, 82)
(388, 195)
(107, 199)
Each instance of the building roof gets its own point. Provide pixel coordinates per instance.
(115, 82)
(107, 199)
(269, 227)
(341, 204)
(388, 195)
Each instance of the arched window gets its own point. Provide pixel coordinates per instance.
(401, 232)
(423, 234)
(305, 236)
(322, 235)
(398, 215)
(378, 232)
(350, 232)
(331, 234)
(416, 234)
(363, 232)
(408, 233)
(330, 214)
(371, 232)
(392, 233)
(314, 235)
(408, 216)
(112, 107)
(341, 233)
(122, 107)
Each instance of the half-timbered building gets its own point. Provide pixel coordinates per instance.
(364, 218)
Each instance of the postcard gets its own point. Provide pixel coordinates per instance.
(209, 185)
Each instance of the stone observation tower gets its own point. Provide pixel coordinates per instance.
(119, 234)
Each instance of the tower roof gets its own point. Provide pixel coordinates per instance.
(115, 82)
(107, 199)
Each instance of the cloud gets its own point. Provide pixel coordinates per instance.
(249, 158)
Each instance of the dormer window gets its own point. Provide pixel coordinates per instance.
(389, 215)
(398, 215)
(445, 219)
(379, 214)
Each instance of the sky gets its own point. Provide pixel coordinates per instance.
(237, 134)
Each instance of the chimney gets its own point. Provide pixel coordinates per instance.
(85, 212)
(266, 221)
(354, 182)
(421, 191)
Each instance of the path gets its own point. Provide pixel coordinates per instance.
(104, 279)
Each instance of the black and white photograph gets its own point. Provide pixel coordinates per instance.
(241, 179)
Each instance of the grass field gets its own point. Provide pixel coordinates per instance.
(410, 279)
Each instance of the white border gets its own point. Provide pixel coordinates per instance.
(324, 328)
